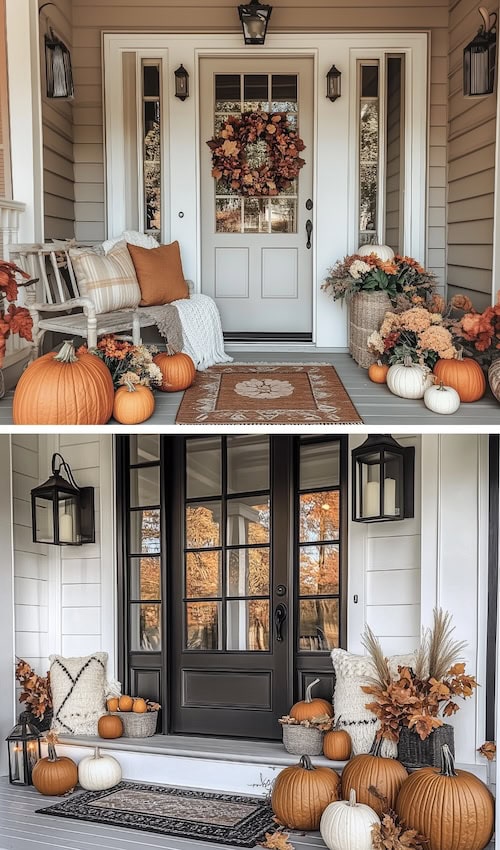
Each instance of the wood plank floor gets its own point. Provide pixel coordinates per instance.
(375, 404)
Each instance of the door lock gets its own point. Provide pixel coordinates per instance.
(281, 590)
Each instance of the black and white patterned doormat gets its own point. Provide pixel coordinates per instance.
(202, 815)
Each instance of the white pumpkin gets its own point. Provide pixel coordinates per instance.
(441, 399)
(347, 825)
(98, 772)
(383, 252)
(408, 379)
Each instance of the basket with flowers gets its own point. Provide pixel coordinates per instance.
(128, 363)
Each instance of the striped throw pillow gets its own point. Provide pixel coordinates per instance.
(108, 279)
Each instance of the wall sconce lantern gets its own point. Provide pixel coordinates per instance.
(480, 58)
(333, 81)
(254, 18)
(61, 512)
(59, 74)
(181, 83)
(24, 751)
(383, 475)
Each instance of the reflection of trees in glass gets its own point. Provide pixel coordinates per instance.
(150, 628)
(319, 570)
(150, 578)
(369, 154)
(152, 176)
(150, 531)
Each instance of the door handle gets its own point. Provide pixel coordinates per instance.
(309, 230)
(280, 615)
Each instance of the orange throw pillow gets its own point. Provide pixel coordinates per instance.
(159, 273)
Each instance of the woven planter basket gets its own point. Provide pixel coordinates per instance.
(302, 740)
(137, 725)
(413, 752)
(366, 312)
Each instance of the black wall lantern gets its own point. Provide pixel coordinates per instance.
(181, 83)
(24, 751)
(61, 512)
(333, 79)
(254, 17)
(58, 71)
(383, 474)
(480, 58)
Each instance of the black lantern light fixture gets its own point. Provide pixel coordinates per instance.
(480, 58)
(61, 512)
(58, 70)
(382, 480)
(254, 17)
(333, 80)
(181, 83)
(24, 751)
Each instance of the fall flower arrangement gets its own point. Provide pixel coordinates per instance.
(417, 333)
(399, 277)
(479, 333)
(421, 693)
(128, 363)
(14, 319)
(232, 165)
(35, 689)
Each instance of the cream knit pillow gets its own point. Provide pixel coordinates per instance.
(78, 688)
(108, 279)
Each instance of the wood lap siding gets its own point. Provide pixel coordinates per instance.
(471, 169)
(57, 119)
(90, 18)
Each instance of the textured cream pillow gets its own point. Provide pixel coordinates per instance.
(108, 279)
(78, 687)
(351, 672)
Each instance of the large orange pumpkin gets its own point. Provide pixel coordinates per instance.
(463, 374)
(110, 726)
(302, 792)
(452, 808)
(371, 769)
(337, 745)
(133, 404)
(54, 775)
(177, 369)
(308, 708)
(377, 372)
(64, 389)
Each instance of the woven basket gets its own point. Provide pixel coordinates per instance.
(413, 752)
(137, 725)
(302, 740)
(367, 310)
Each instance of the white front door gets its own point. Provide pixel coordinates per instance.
(257, 251)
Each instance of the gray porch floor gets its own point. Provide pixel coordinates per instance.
(375, 404)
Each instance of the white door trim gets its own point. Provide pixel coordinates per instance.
(333, 234)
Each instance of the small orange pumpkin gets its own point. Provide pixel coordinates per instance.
(125, 703)
(110, 726)
(139, 705)
(112, 703)
(133, 404)
(302, 792)
(377, 372)
(463, 374)
(308, 708)
(337, 745)
(177, 369)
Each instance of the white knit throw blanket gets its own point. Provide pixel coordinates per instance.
(201, 329)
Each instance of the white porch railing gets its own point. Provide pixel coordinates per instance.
(10, 213)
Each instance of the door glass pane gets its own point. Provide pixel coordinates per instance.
(248, 625)
(256, 215)
(145, 531)
(203, 625)
(227, 92)
(255, 92)
(369, 152)
(247, 464)
(319, 570)
(144, 448)
(319, 465)
(203, 574)
(319, 516)
(152, 165)
(145, 486)
(145, 628)
(228, 214)
(203, 468)
(203, 525)
(151, 81)
(284, 88)
(283, 215)
(248, 521)
(145, 580)
(318, 624)
(394, 154)
(369, 80)
(248, 572)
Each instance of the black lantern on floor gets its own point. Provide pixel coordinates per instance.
(61, 512)
(181, 83)
(333, 79)
(383, 475)
(480, 58)
(254, 17)
(24, 751)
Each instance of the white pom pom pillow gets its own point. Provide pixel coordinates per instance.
(78, 688)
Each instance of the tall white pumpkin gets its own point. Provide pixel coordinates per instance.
(408, 379)
(347, 825)
(98, 772)
(383, 252)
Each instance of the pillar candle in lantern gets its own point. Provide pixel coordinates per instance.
(371, 506)
(390, 496)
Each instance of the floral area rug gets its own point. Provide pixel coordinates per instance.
(202, 815)
(278, 393)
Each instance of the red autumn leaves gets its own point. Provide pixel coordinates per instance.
(15, 319)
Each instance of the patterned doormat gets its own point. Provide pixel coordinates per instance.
(203, 815)
(278, 393)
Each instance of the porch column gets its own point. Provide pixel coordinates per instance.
(7, 657)
(23, 60)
